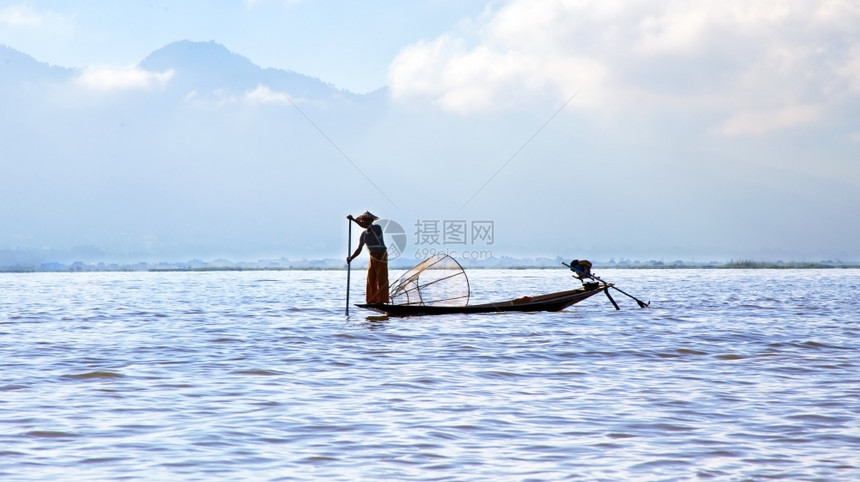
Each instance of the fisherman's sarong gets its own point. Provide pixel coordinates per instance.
(377, 278)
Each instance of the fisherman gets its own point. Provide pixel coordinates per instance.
(377, 269)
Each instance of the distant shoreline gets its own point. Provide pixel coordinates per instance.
(80, 267)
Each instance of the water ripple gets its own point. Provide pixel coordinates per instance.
(739, 375)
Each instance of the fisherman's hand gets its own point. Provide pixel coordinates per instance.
(349, 216)
(348, 259)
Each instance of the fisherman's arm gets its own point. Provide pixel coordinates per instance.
(357, 251)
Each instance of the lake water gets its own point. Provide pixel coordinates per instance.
(731, 374)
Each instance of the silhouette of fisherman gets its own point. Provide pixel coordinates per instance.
(377, 269)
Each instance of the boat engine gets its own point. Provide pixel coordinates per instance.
(581, 268)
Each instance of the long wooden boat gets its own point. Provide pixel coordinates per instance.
(549, 302)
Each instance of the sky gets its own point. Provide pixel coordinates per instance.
(718, 129)
(349, 44)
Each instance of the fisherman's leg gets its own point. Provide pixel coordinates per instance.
(370, 289)
(382, 277)
(377, 285)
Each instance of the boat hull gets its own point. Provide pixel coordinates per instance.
(550, 302)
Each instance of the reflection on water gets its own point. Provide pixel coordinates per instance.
(258, 375)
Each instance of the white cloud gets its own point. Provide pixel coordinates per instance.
(763, 65)
(122, 79)
(261, 95)
(254, 3)
(758, 122)
(850, 70)
(463, 80)
(24, 16)
(265, 95)
(20, 16)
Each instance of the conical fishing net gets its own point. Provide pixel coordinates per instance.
(437, 281)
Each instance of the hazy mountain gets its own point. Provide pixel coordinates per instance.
(17, 67)
(197, 66)
(208, 66)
